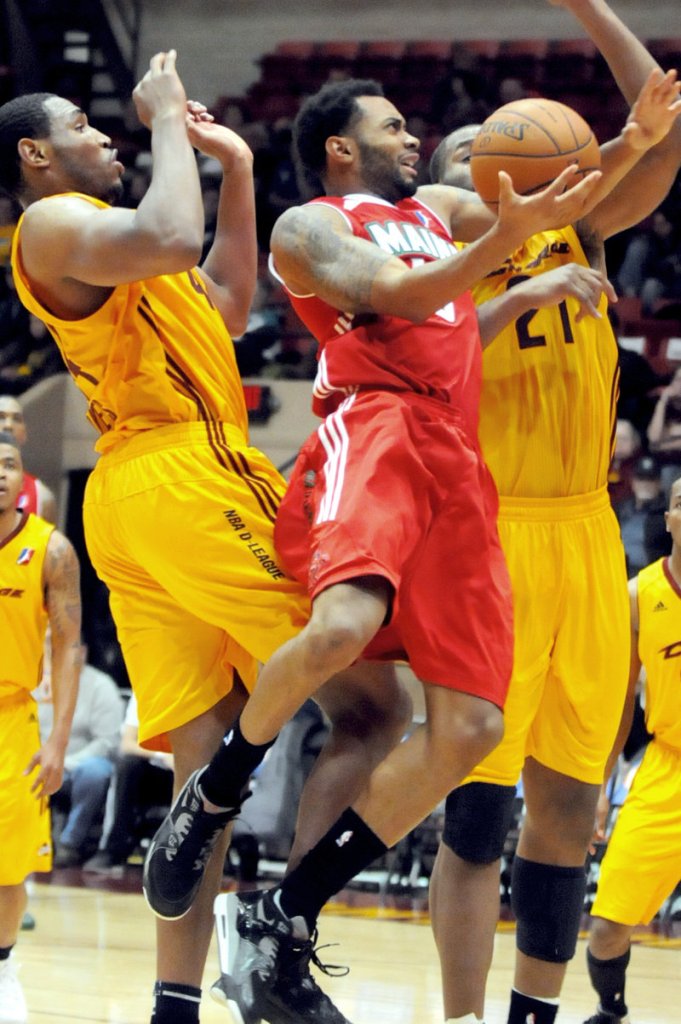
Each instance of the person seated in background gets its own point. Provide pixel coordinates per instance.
(627, 451)
(651, 268)
(640, 383)
(664, 430)
(142, 779)
(35, 496)
(643, 531)
(89, 761)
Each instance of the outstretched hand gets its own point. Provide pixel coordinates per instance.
(572, 280)
(655, 110)
(560, 203)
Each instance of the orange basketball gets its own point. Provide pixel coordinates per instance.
(533, 140)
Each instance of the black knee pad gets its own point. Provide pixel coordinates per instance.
(477, 819)
(547, 902)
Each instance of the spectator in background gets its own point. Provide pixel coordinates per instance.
(664, 430)
(651, 268)
(142, 779)
(627, 451)
(89, 761)
(640, 516)
(34, 358)
(35, 496)
(278, 183)
(13, 320)
(459, 100)
(261, 341)
(640, 384)
(9, 215)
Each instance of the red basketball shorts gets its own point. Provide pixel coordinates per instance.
(391, 485)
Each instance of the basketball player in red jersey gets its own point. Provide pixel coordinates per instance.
(395, 493)
(35, 497)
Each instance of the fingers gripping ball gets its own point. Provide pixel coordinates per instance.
(533, 140)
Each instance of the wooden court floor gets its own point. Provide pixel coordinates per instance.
(91, 959)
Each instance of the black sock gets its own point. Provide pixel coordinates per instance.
(230, 768)
(607, 977)
(522, 1006)
(5, 952)
(175, 1004)
(347, 847)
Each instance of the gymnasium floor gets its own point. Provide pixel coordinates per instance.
(91, 959)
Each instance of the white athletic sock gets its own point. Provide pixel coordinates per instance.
(470, 1018)
(540, 999)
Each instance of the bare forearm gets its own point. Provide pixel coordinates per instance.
(657, 421)
(232, 261)
(66, 664)
(172, 208)
(495, 314)
(418, 293)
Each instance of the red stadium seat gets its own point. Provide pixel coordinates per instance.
(435, 49)
(522, 59)
(381, 59)
(569, 64)
(336, 50)
(391, 49)
(485, 49)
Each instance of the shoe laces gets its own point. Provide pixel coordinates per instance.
(300, 952)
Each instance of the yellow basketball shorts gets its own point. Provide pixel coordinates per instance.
(572, 637)
(179, 524)
(642, 862)
(25, 844)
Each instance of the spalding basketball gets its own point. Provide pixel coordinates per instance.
(533, 140)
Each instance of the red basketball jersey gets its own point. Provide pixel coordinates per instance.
(439, 357)
(28, 499)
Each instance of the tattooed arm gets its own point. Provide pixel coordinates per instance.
(61, 580)
(316, 253)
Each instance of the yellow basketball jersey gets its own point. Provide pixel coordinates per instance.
(659, 648)
(550, 385)
(23, 616)
(157, 352)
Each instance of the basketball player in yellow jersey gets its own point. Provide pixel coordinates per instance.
(179, 510)
(550, 385)
(641, 864)
(39, 585)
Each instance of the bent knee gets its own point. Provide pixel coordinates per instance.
(470, 733)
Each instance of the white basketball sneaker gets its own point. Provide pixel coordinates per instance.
(12, 1003)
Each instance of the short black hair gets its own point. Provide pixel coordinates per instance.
(7, 438)
(331, 111)
(438, 161)
(24, 117)
(647, 468)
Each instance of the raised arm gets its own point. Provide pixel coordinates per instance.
(646, 185)
(68, 243)
(625, 54)
(231, 266)
(61, 580)
(315, 252)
